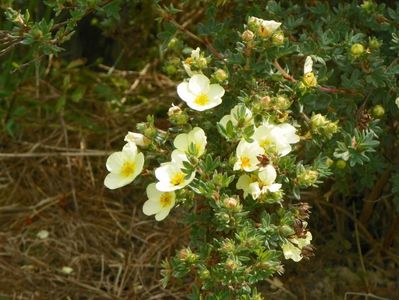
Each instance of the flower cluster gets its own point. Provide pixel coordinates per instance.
(233, 179)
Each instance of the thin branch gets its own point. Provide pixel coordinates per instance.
(321, 88)
(187, 32)
(54, 154)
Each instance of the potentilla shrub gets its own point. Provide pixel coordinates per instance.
(250, 133)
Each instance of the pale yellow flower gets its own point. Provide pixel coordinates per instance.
(158, 203)
(199, 94)
(124, 166)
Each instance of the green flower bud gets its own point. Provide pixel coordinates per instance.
(278, 38)
(220, 75)
(307, 177)
(247, 36)
(173, 43)
(231, 265)
(282, 102)
(378, 111)
(368, 5)
(374, 43)
(357, 50)
(170, 70)
(341, 164)
(204, 274)
(37, 34)
(228, 247)
(329, 162)
(150, 132)
(187, 255)
(318, 121)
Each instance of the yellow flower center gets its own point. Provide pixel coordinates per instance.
(263, 32)
(128, 169)
(245, 162)
(177, 179)
(165, 199)
(265, 143)
(202, 99)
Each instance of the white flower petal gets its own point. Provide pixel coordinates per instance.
(162, 214)
(152, 192)
(115, 162)
(275, 187)
(114, 181)
(216, 91)
(291, 252)
(139, 163)
(184, 93)
(308, 67)
(151, 207)
(181, 142)
(268, 175)
(271, 26)
(198, 84)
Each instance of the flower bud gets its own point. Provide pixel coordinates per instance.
(173, 43)
(307, 177)
(204, 274)
(247, 36)
(187, 255)
(228, 246)
(202, 62)
(341, 164)
(374, 43)
(278, 38)
(265, 101)
(230, 202)
(220, 75)
(329, 162)
(378, 111)
(231, 265)
(357, 50)
(150, 132)
(317, 121)
(137, 138)
(309, 79)
(368, 5)
(177, 115)
(282, 102)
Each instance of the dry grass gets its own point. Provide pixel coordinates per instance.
(50, 181)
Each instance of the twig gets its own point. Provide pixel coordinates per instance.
(283, 72)
(69, 165)
(54, 154)
(321, 88)
(359, 249)
(366, 295)
(187, 32)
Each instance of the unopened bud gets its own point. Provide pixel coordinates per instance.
(247, 36)
(374, 43)
(357, 50)
(230, 202)
(341, 164)
(278, 38)
(220, 75)
(265, 100)
(231, 264)
(378, 111)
